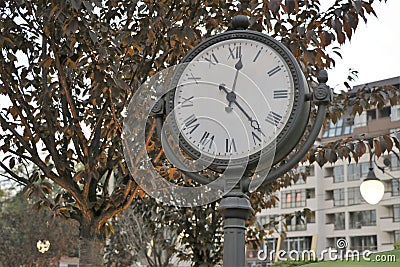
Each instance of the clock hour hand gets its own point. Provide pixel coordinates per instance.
(223, 88)
(231, 97)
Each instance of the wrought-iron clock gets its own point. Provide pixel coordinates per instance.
(238, 94)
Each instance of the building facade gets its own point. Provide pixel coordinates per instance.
(340, 218)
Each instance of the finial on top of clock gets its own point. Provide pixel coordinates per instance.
(240, 22)
(322, 76)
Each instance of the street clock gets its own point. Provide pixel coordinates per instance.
(237, 95)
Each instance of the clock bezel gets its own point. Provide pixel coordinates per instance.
(295, 126)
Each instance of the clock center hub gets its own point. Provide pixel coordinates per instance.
(231, 96)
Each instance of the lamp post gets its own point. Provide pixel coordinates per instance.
(372, 189)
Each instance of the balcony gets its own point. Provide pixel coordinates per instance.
(311, 203)
(297, 227)
(301, 229)
(389, 200)
(329, 203)
(387, 224)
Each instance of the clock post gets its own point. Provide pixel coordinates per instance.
(235, 206)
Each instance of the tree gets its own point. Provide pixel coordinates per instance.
(146, 233)
(69, 69)
(21, 227)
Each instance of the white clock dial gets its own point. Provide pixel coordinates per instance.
(234, 98)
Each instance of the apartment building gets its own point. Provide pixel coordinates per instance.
(338, 211)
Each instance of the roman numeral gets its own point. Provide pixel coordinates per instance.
(273, 118)
(207, 139)
(192, 77)
(258, 53)
(212, 59)
(230, 145)
(190, 123)
(235, 52)
(187, 102)
(273, 71)
(256, 137)
(281, 93)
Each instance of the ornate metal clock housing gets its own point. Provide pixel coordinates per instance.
(238, 94)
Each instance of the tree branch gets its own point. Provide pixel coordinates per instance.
(14, 177)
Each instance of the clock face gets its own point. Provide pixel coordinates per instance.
(233, 99)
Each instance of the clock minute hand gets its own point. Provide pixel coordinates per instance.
(254, 123)
(231, 97)
(244, 112)
(238, 67)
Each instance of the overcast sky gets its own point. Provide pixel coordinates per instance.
(374, 50)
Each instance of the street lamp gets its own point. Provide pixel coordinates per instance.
(43, 245)
(372, 189)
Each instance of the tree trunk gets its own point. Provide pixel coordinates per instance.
(91, 247)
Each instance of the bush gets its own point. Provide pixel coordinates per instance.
(397, 245)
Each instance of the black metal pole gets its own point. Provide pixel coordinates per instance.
(235, 208)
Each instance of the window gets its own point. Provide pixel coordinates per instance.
(360, 120)
(395, 113)
(294, 198)
(267, 220)
(271, 243)
(310, 218)
(395, 187)
(371, 114)
(362, 218)
(298, 244)
(353, 172)
(332, 241)
(396, 236)
(262, 219)
(338, 174)
(396, 213)
(294, 223)
(251, 253)
(364, 169)
(385, 112)
(298, 196)
(348, 125)
(356, 171)
(340, 221)
(289, 197)
(343, 126)
(354, 195)
(338, 197)
(310, 193)
(394, 163)
(304, 172)
(362, 243)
